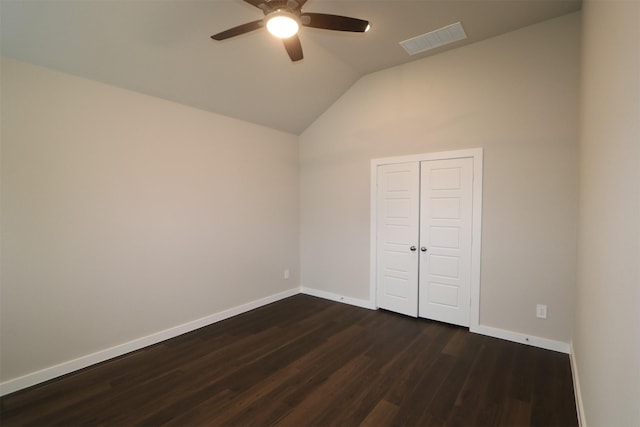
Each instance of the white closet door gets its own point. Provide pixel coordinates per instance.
(445, 240)
(398, 204)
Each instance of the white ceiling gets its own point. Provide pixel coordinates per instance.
(163, 47)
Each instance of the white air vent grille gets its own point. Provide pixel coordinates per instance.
(440, 37)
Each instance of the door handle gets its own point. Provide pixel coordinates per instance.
(412, 248)
(423, 249)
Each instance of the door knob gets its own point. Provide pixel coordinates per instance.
(423, 249)
(413, 248)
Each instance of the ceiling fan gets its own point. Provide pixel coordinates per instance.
(283, 19)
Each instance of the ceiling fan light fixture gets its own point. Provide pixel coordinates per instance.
(283, 24)
(283, 19)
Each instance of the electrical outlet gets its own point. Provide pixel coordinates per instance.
(286, 274)
(541, 311)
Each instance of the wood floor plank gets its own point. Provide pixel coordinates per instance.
(516, 413)
(381, 415)
(390, 337)
(294, 381)
(319, 404)
(307, 361)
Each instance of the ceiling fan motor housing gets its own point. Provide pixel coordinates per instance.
(272, 6)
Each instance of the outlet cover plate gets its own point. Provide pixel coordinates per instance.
(541, 311)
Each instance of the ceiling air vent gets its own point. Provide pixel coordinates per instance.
(440, 37)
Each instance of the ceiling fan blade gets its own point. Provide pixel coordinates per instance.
(298, 3)
(334, 22)
(294, 47)
(240, 29)
(255, 3)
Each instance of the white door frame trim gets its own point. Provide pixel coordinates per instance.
(476, 243)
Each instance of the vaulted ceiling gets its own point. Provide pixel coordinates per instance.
(163, 48)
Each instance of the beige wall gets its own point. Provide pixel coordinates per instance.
(607, 323)
(515, 95)
(124, 215)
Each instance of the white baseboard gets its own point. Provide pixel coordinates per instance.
(336, 297)
(504, 334)
(576, 387)
(64, 368)
(533, 340)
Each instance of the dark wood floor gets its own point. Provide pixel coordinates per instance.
(306, 361)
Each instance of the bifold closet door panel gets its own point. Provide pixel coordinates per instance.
(397, 216)
(445, 240)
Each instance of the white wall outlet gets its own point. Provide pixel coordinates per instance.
(541, 311)
(286, 274)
